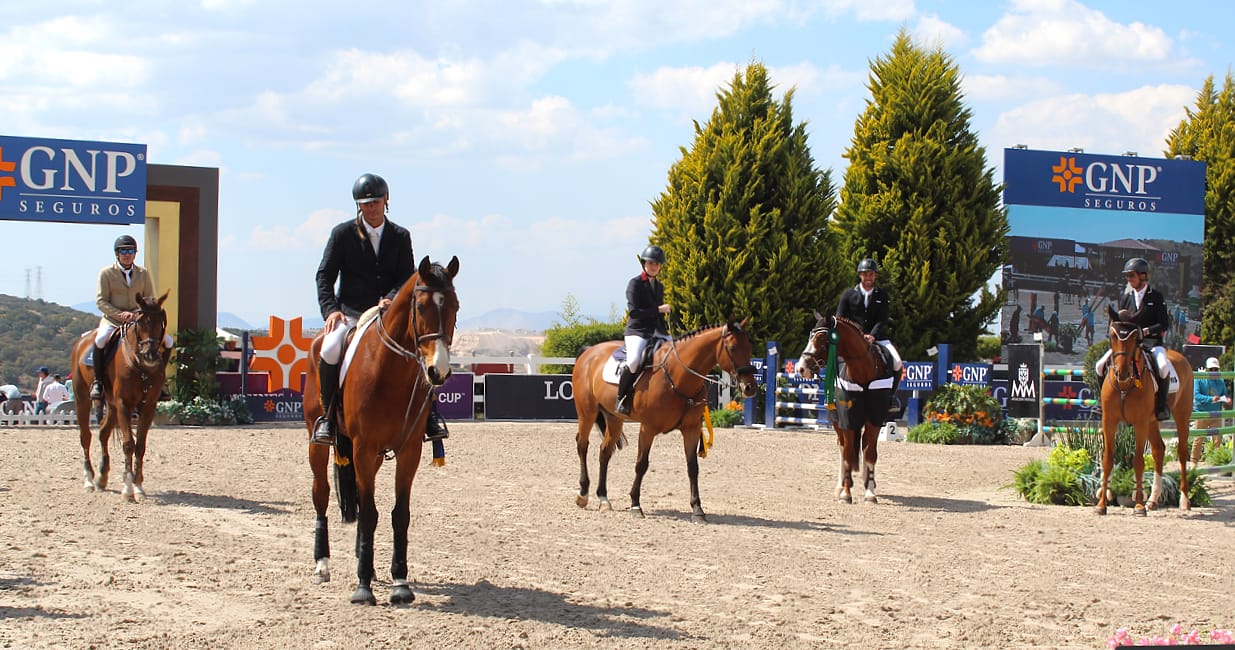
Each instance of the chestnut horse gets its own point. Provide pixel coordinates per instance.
(1128, 396)
(671, 393)
(859, 405)
(386, 400)
(135, 375)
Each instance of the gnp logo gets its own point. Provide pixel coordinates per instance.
(1124, 186)
(72, 181)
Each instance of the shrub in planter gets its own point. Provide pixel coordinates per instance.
(972, 410)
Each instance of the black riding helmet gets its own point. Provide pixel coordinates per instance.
(1136, 265)
(652, 254)
(369, 188)
(868, 264)
(124, 241)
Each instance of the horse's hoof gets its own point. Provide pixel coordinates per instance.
(89, 487)
(363, 596)
(603, 505)
(845, 498)
(401, 595)
(1152, 505)
(872, 499)
(321, 578)
(698, 518)
(636, 512)
(1139, 511)
(581, 500)
(1100, 510)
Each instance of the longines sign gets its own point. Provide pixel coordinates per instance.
(43, 179)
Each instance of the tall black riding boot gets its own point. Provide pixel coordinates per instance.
(1160, 408)
(436, 429)
(896, 384)
(96, 388)
(328, 383)
(625, 384)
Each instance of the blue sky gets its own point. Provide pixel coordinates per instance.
(528, 137)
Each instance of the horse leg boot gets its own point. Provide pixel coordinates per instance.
(328, 381)
(625, 384)
(436, 428)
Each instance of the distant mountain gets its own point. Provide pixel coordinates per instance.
(228, 319)
(510, 319)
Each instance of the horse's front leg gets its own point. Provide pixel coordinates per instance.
(870, 454)
(83, 426)
(690, 441)
(581, 444)
(366, 524)
(319, 457)
(400, 519)
(1157, 448)
(1138, 468)
(641, 467)
(848, 460)
(130, 448)
(144, 419)
(613, 433)
(1110, 426)
(106, 426)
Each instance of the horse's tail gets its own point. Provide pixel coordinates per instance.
(600, 422)
(345, 478)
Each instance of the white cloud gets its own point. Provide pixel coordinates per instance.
(691, 89)
(311, 234)
(873, 10)
(1003, 87)
(1067, 33)
(1111, 123)
(933, 31)
(69, 51)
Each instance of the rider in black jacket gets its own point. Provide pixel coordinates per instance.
(868, 305)
(1148, 308)
(371, 258)
(646, 309)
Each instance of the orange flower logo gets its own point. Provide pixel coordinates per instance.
(1067, 174)
(10, 167)
(284, 353)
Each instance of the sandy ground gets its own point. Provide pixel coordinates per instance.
(219, 554)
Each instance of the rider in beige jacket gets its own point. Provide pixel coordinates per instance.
(119, 286)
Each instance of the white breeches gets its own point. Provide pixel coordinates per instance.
(332, 343)
(105, 328)
(635, 346)
(896, 356)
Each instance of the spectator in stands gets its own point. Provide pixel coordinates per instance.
(54, 393)
(1209, 396)
(40, 402)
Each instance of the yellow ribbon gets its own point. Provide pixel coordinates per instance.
(706, 440)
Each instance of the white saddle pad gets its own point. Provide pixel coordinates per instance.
(612, 371)
(366, 319)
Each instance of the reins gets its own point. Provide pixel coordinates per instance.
(413, 356)
(137, 359)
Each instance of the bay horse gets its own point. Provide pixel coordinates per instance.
(1128, 396)
(858, 405)
(386, 396)
(670, 393)
(136, 372)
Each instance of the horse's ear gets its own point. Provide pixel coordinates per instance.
(453, 267)
(424, 267)
(163, 298)
(1127, 316)
(1114, 315)
(744, 323)
(818, 316)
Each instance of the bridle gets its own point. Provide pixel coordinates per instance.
(700, 396)
(1126, 382)
(414, 356)
(147, 351)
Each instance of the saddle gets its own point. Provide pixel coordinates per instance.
(349, 349)
(612, 371)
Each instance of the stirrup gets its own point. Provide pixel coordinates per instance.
(623, 406)
(96, 390)
(323, 432)
(436, 428)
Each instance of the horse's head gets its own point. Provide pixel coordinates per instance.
(1125, 337)
(151, 326)
(435, 305)
(814, 355)
(737, 349)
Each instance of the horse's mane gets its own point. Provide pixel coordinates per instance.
(697, 332)
(845, 321)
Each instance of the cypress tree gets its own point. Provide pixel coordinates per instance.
(1207, 133)
(743, 220)
(920, 199)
